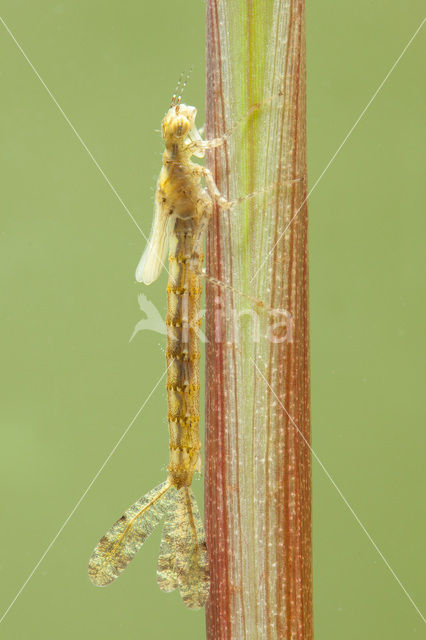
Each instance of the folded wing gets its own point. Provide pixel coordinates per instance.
(155, 254)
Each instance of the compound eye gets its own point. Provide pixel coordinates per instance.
(180, 127)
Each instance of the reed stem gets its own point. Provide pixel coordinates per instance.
(258, 459)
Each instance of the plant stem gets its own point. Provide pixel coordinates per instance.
(258, 462)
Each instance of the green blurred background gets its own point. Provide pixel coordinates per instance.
(72, 381)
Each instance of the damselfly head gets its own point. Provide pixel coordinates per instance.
(179, 122)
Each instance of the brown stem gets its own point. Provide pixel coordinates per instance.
(258, 461)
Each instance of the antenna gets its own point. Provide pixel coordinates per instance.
(188, 75)
(176, 90)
